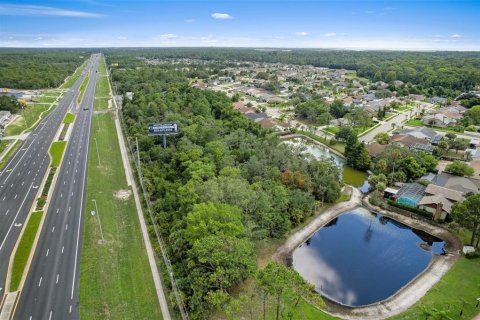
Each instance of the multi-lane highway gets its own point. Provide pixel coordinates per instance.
(22, 176)
(51, 288)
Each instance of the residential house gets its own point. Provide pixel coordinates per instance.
(409, 141)
(416, 97)
(453, 109)
(410, 194)
(421, 133)
(5, 117)
(339, 122)
(238, 105)
(441, 119)
(439, 201)
(438, 100)
(465, 185)
(375, 149)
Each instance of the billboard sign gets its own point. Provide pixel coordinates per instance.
(163, 128)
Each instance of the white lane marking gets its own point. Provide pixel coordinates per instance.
(80, 215)
(40, 282)
(50, 317)
(63, 247)
(48, 250)
(53, 228)
(66, 226)
(56, 281)
(13, 222)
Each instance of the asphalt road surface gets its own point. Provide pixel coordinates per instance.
(22, 176)
(51, 288)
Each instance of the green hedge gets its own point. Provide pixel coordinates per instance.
(421, 212)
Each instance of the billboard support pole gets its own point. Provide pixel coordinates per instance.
(164, 141)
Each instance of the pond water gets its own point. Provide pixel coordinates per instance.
(361, 258)
(350, 175)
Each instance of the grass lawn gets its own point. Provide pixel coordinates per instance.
(461, 284)
(69, 118)
(332, 130)
(24, 248)
(44, 99)
(71, 79)
(102, 89)
(56, 151)
(31, 114)
(415, 123)
(3, 145)
(115, 277)
(4, 160)
(101, 103)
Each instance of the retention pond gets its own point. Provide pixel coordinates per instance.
(360, 258)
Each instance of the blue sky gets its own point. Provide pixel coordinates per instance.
(407, 24)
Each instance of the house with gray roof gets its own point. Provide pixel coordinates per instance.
(464, 185)
(421, 133)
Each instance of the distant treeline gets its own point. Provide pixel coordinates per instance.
(444, 74)
(37, 69)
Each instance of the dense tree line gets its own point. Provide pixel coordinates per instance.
(37, 69)
(221, 185)
(438, 73)
(8, 103)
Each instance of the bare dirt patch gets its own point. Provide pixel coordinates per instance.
(122, 194)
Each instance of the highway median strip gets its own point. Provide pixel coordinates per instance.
(83, 87)
(69, 118)
(24, 248)
(56, 152)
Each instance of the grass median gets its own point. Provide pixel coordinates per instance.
(10, 153)
(23, 250)
(69, 118)
(83, 87)
(115, 277)
(56, 152)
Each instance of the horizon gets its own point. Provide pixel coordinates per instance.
(285, 24)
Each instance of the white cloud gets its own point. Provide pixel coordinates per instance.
(221, 16)
(190, 20)
(301, 33)
(456, 36)
(330, 34)
(29, 10)
(122, 38)
(168, 36)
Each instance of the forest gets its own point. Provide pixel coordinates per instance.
(38, 69)
(222, 185)
(445, 74)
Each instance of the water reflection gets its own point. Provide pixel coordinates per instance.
(351, 176)
(362, 258)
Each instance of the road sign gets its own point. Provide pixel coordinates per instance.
(163, 128)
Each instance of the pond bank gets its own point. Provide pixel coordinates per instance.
(298, 135)
(404, 298)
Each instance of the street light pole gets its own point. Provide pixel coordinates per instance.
(98, 217)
